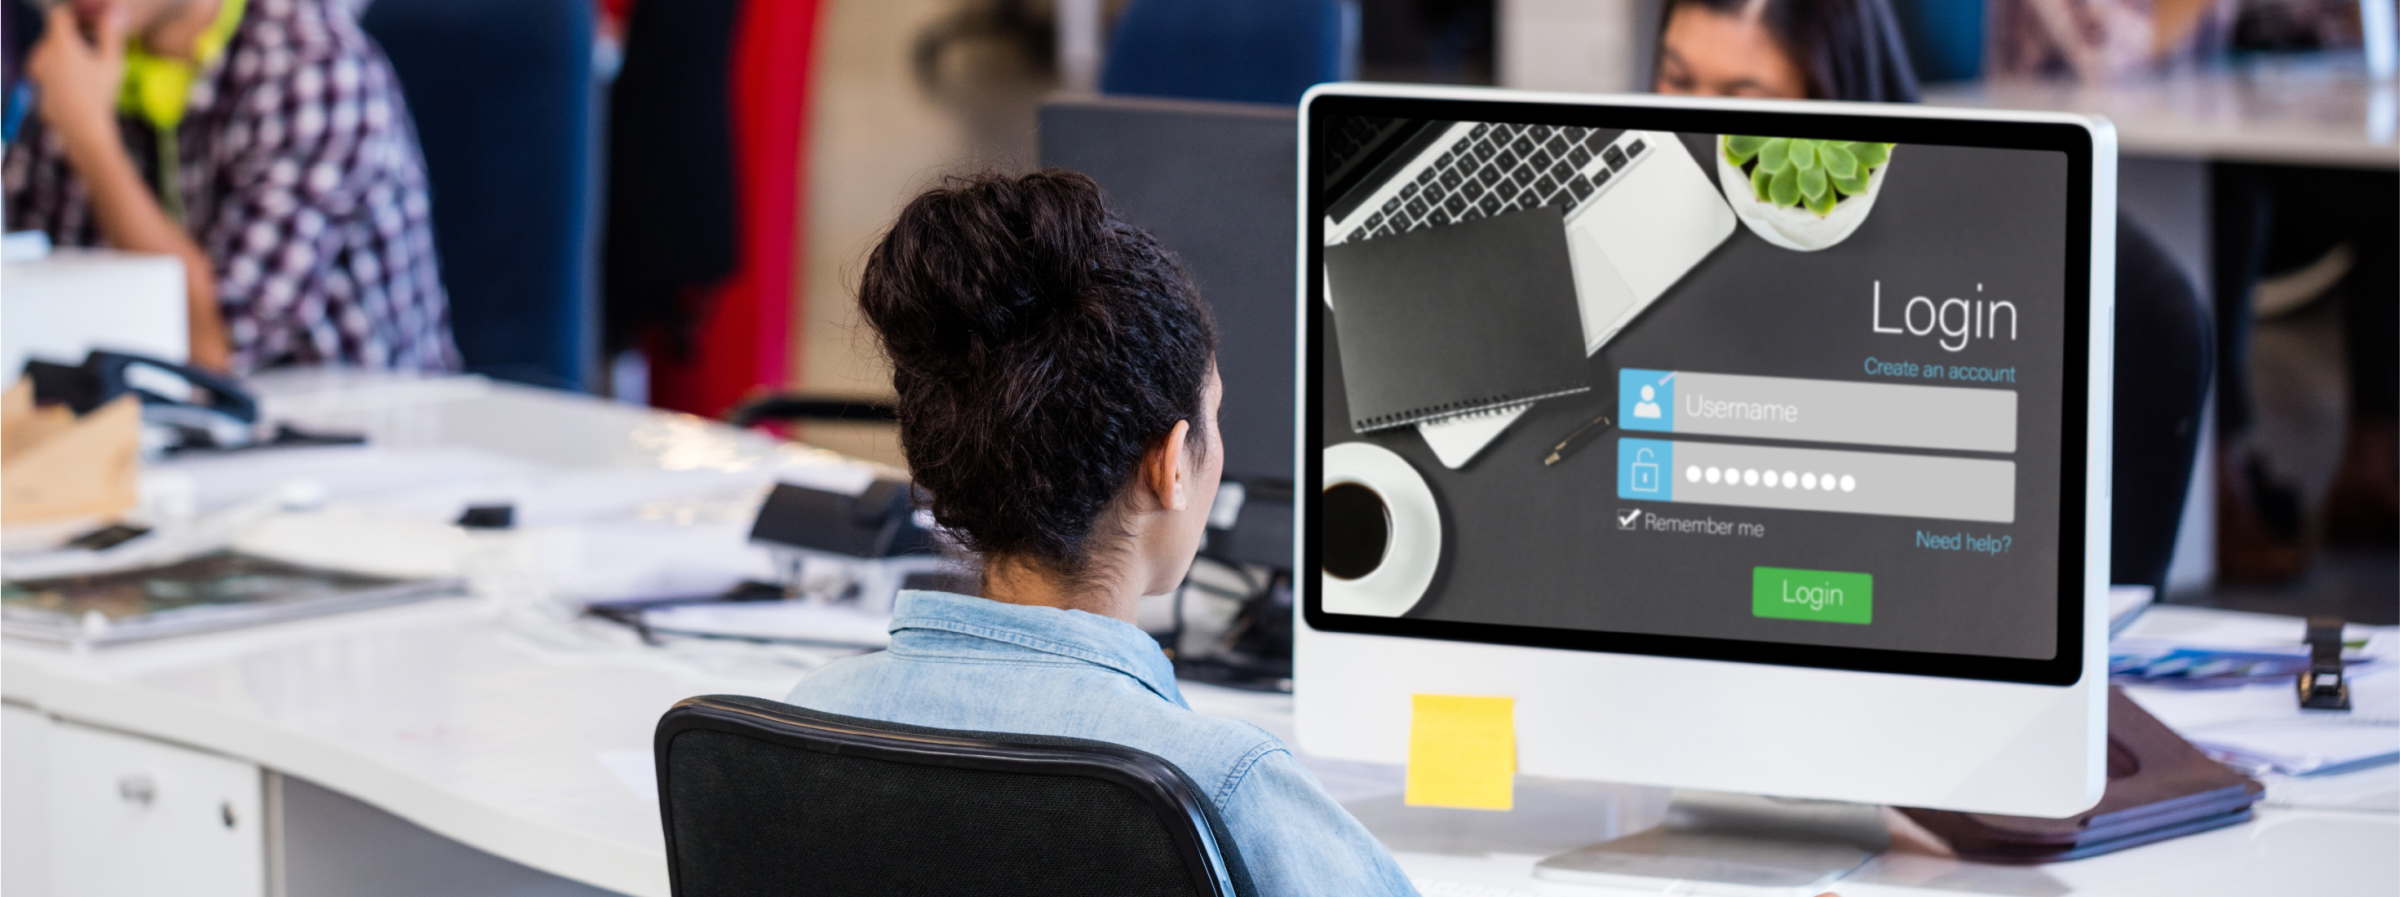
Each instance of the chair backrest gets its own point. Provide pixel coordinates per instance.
(502, 98)
(2166, 360)
(758, 797)
(1945, 38)
(1250, 51)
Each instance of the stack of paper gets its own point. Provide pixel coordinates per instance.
(2302, 747)
(2255, 723)
(797, 621)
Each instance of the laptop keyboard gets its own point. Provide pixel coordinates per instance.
(1500, 168)
(1352, 134)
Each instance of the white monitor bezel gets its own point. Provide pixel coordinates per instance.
(2021, 738)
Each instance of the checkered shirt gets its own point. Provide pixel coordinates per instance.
(301, 180)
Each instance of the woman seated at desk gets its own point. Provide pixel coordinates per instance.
(1058, 396)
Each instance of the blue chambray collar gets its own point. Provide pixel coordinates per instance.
(1017, 628)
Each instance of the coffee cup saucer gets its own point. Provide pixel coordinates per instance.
(1415, 551)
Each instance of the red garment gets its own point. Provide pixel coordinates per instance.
(745, 340)
(617, 12)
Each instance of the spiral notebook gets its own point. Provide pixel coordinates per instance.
(1476, 317)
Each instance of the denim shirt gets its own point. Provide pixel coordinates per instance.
(969, 663)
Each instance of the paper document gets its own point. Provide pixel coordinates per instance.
(2299, 747)
(1457, 440)
(2126, 604)
(2226, 630)
(784, 621)
(2251, 718)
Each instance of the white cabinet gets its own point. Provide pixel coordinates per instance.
(131, 816)
(77, 300)
(20, 802)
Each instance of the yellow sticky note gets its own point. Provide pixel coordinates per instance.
(1462, 752)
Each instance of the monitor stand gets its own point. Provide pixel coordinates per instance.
(1732, 844)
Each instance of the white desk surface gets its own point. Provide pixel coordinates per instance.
(2291, 116)
(491, 727)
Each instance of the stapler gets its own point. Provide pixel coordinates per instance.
(2322, 686)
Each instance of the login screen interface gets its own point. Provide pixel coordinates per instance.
(1818, 398)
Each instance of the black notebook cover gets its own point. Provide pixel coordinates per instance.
(1458, 318)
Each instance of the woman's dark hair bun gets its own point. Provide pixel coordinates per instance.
(994, 258)
(1039, 345)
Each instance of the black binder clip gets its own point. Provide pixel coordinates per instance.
(2323, 687)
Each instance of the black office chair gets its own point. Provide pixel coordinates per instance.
(1246, 51)
(502, 98)
(2166, 356)
(759, 797)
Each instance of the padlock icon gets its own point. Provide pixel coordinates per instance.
(1645, 471)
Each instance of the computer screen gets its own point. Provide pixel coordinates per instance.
(1214, 183)
(1803, 390)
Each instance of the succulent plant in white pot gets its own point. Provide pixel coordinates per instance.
(1798, 193)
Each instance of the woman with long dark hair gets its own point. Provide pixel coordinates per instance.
(1784, 49)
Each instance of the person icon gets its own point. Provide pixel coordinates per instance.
(1648, 406)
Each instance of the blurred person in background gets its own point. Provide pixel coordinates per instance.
(2308, 402)
(264, 143)
(2308, 375)
(1852, 50)
(1784, 49)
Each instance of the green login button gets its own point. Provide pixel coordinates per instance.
(1825, 596)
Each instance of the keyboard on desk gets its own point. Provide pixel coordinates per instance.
(1353, 135)
(1500, 168)
(1438, 888)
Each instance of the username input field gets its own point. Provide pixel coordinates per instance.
(1893, 414)
(1759, 476)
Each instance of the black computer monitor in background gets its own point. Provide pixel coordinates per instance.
(1214, 183)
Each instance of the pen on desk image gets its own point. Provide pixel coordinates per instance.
(1576, 439)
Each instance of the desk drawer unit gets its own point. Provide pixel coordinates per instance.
(20, 802)
(132, 816)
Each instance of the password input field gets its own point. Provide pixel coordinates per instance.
(1817, 480)
(1891, 414)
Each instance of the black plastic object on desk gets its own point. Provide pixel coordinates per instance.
(201, 410)
(2324, 686)
(489, 517)
(105, 375)
(877, 523)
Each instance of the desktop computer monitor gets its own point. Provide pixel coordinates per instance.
(1754, 447)
(1213, 182)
